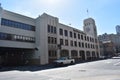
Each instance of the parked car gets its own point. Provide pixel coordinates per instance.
(116, 57)
(64, 61)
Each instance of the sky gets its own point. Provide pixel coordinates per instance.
(106, 13)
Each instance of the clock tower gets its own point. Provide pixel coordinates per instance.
(90, 27)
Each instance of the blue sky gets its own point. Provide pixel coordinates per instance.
(105, 12)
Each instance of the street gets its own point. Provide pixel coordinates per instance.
(108, 69)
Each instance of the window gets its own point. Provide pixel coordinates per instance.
(15, 24)
(78, 36)
(3, 36)
(51, 29)
(55, 31)
(66, 42)
(61, 41)
(96, 40)
(48, 28)
(90, 39)
(13, 37)
(55, 40)
(87, 53)
(74, 53)
(96, 46)
(87, 38)
(86, 45)
(82, 37)
(74, 35)
(93, 46)
(79, 44)
(75, 43)
(70, 34)
(61, 31)
(71, 43)
(66, 32)
(52, 40)
(52, 53)
(82, 45)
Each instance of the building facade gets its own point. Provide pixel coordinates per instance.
(36, 41)
(118, 29)
(114, 38)
(107, 49)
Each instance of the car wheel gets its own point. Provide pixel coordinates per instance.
(71, 62)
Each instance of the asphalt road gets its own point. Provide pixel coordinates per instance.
(98, 70)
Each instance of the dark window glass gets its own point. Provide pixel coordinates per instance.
(49, 40)
(87, 38)
(74, 35)
(52, 40)
(61, 31)
(93, 46)
(15, 24)
(82, 45)
(79, 44)
(66, 42)
(71, 43)
(96, 46)
(61, 41)
(49, 28)
(66, 32)
(70, 34)
(55, 40)
(55, 31)
(75, 43)
(78, 36)
(86, 45)
(12, 37)
(82, 37)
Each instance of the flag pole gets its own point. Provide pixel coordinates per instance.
(87, 12)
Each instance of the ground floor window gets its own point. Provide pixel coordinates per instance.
(52, 53)
(74, 53)
(64, 53)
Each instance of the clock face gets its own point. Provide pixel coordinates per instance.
(87, 29)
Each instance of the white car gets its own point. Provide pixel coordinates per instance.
(64, 60)
(116, 57)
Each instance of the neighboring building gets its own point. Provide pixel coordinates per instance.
(118, 29)
(101, 48)
(107, 48)
(115, 38)
(25, 40)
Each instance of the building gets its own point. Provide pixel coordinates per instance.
(114, 38)
(107, 48)
(38, 41)
(118, 29)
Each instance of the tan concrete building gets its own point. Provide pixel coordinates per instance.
(25, 40)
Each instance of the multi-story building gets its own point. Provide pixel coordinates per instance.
(118, 29)
(114, 38)
(107, 48)
(25, 40)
